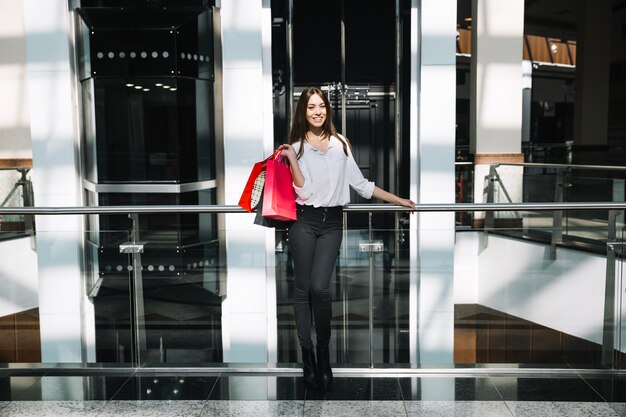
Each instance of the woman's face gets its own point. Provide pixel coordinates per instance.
(315, 111)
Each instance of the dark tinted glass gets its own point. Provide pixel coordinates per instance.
(154, 129)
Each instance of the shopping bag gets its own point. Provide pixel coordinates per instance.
(279, 198)
(266, 221)
(253, 190)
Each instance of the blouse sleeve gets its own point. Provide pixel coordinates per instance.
(358, 182)
(306, 191)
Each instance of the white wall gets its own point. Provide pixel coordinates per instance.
(14, 106)
(519, 278)
(19, 281)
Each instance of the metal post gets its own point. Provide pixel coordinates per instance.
(557, 215)
(371, 292)
(135, 248)
(608, 335)
(371, 246)
(489, 215)
(290, 89)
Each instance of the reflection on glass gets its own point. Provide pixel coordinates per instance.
(350, 289)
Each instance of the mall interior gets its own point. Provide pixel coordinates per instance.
(131, 283)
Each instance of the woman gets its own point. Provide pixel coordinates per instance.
(323, 169)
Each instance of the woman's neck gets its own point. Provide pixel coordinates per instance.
(318, 132)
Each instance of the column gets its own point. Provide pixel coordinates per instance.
(432, 171)
(593, 54)
(249, 309)
(66, 314)
(497, 96)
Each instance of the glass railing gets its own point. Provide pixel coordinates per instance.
(15, 191)
(409, 291)
(532, 182)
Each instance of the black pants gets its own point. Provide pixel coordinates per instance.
(314, 240)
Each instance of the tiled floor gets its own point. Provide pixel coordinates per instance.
(260, 395)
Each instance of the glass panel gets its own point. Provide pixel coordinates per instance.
(15, 191)
(145, 127)
(111, 295)
(501, 295)
(356, 269)
(621, 290)
(135, 41)
(320, 21)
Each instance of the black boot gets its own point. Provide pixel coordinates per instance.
(309, 367)
(323, 368)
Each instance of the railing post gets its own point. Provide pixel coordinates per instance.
(134, 247)
(489, 215)
(557, 215)
(371, 246)
(609, 327)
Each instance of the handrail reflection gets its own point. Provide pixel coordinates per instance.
(459, 207)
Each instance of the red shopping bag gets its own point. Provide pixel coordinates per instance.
(253, 190)
(279, 199)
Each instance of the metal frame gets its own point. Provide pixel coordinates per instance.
(149, 187)
(271, 369)
(459, 207)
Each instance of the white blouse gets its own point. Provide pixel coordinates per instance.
(328, 176)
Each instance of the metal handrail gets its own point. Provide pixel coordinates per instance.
(571, 166)
(459, 207)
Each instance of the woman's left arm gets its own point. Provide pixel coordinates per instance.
(392, 198)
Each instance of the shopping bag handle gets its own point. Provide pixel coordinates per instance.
(276, 156)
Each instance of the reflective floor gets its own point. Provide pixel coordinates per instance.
(260, 395)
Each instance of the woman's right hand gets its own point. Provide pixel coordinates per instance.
(288, 152)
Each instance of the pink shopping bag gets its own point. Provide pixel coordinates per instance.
(279, 199)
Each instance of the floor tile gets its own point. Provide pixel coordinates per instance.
(152, 408)
(166, 388)
(259, 388)
(354, 408)
(561, 409)
(360, 389)
(611, 389)
(53, 408)
(449, 389)
(12, 387)
(545, 389)
(70, 388)
(220, 408)
(619, 407)
(457, 409)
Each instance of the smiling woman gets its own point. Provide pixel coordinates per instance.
(323, 171)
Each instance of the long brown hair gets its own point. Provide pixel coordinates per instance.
(299, 124)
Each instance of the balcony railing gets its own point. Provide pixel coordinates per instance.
(159, 302)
